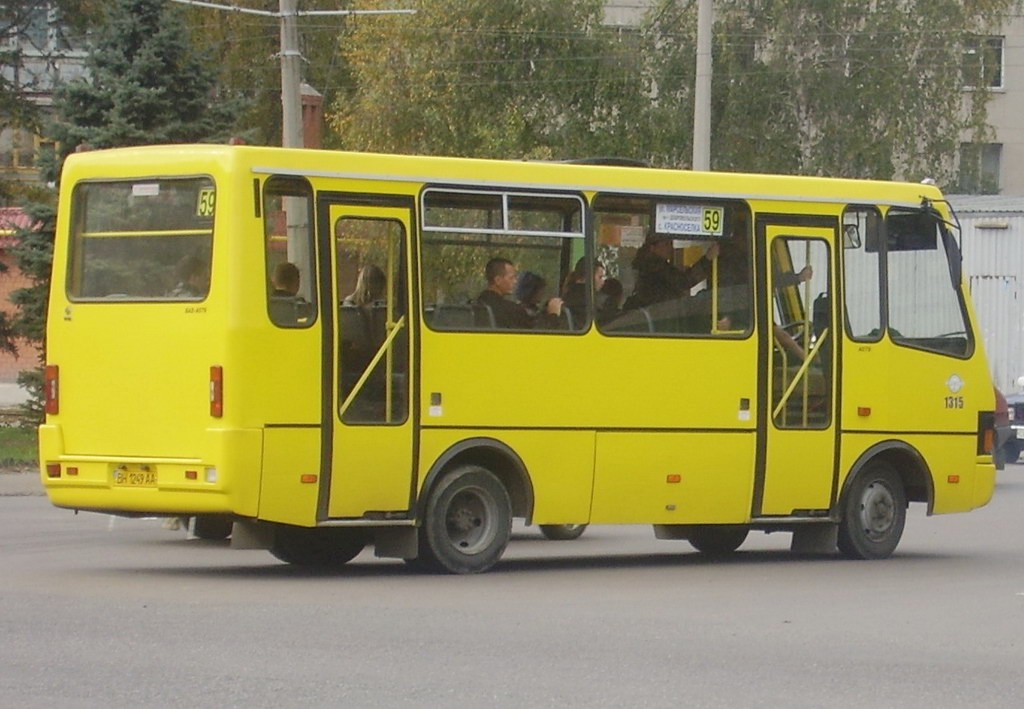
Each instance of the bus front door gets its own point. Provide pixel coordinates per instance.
(368, 451)
(797, 477)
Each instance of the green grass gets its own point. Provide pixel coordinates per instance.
(17, 446)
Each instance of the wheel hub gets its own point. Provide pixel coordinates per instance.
(878, 510)
(468, 522)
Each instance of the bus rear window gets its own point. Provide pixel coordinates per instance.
(142, 240)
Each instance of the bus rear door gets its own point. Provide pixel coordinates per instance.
(368, 442)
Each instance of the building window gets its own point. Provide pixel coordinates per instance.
(17, 148)
(979, 168)
(983, 63)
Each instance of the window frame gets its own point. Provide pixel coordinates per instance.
(79, 208)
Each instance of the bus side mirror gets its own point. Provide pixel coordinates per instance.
(851, 236)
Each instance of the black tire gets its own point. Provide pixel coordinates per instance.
(718, 539)
(314, 547)
(874, 511)
(466, 524)
(562, 532)
(211, 527)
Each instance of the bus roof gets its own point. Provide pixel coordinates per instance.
(145, 161)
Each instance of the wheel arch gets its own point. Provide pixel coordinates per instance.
(908, 463)
(496, 457)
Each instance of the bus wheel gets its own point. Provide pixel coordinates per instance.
(211, 527)
(467, 522)
(874, 512)
(317, 547)
(562, 532)
(717, 539)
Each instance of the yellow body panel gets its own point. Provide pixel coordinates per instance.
(673, 478)
(288, 455)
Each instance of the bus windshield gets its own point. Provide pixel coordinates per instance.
(142, 240)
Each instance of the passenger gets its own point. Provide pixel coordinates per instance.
(285, 280)
(609, 300)
(193, 278)
(788, 343)
(501, 278)
(658, 279)
(574, 291)
(530, 291)
(370, 285)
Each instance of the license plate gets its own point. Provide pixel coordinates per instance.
(134, 476)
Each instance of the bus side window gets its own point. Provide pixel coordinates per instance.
(673, 266)
(498, 261)
(288, 245)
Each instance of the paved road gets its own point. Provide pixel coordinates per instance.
(105, 612)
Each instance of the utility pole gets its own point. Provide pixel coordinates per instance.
(291, 56)
(702, 88)
(291, 96)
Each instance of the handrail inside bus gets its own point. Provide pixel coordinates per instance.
(801, 372)
(139, 232)
(384, 346)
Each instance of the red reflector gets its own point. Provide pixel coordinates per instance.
(192, 474)
(863, 410)
(216, 391)
(307, 478)
(72, 471)
(53, 470)
(51, 388)
(953, 479)
(988, 441)
(675, 478)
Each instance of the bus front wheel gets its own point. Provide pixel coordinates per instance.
(317, 547)
(873, 513)
(466, 524)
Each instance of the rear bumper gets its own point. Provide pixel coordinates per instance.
(224, 479)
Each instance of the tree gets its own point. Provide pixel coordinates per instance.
(245, 51)
(859, 88)
(26, 23)
(145, 84)
(34, 253)
(518, 79)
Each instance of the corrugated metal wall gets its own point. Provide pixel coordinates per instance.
(994, 266)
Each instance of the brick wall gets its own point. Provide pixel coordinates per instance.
(10, 281)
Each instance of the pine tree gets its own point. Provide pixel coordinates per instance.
(146, 84)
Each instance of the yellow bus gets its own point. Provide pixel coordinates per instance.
(318, 351)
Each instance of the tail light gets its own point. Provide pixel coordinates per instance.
(51, 388)
(216, 391)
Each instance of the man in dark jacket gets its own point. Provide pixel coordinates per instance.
(658, 279)
(501, 278)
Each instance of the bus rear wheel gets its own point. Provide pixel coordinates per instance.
(562, 532)
(466, 524)
(718, 539)
(317, 547)
(874, 513)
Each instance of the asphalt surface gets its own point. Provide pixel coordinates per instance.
(109, 612)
